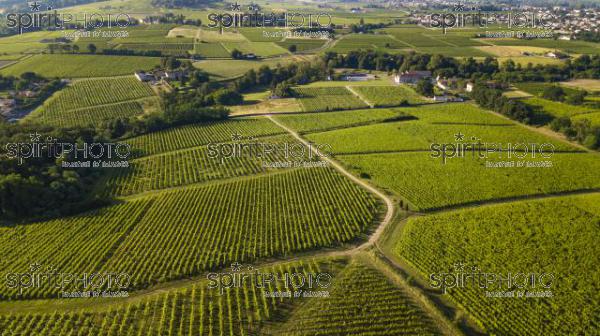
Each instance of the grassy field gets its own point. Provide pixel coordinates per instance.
(74, 66)
(92, 100)
(591, 85)
(594, 118)
(575, 47)
(562, 231)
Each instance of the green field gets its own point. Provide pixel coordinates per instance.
(223, 69)
(383, 96)
(427, 183)
(557, 109)
(420, 134)
(171, 49)
(92, 100)
(383, 309)
(210, 232)
(74, 66)
(211, 50)
(555, 236)
(316, 122)
(192, 309)
(317, 99)
(201, 134)
(262, 49)
(368, 42)
(302, 44)
(195, 165)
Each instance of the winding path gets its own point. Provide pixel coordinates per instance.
(388, 201)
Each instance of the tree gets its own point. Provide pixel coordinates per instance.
(282, 90)
(236, 54)
(425, 87)
(576, 98)
(92, 48)
(292, 48)
(75, 48)
(554, 92)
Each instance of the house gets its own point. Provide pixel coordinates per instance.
(144, 76)
(411, 77)
(446, 84)
(7, 106)
(357, 77)
(172, 75)
(469, 87)
(27, 93)
(446, 99)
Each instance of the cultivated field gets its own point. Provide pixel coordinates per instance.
(328, 99)
(560, 230)
(74, 66)
(383, 96)
(92, 100)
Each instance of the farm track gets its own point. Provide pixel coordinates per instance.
(349, 87)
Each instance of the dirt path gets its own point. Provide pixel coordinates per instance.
(359, 96)
(388, 201)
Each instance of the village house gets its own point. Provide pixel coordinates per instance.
(7, 105)
(357, 77)
(446, 99)
(144, 76)
(446, 84)
(411, 77)
(469, 87)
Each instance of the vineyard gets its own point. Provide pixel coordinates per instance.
(361, 302)
(201, 134)
(305, 123)
(427, 183)
(92, 100)
(556, 236)
(382, 96)
(195, 165)
(418, 135)
(316, 99)
(171, 49)
(53, 115)
(76, 66)
(368, 42)
(302, 44)
(211, 50)
(263, 49)
(192, 310)
(557, 109)
(273, 215)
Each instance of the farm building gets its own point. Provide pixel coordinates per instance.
(357, 77)
(411, 77)
(446, 99)
(144, 76)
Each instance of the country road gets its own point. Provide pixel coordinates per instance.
(388, 201)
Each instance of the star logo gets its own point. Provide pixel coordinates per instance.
(236, 267)
(459, 7)
(35, 137)
(459, 267)
(35, 267)
(459, 136)
(236, 137)
(236, 7)
(35, 6)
